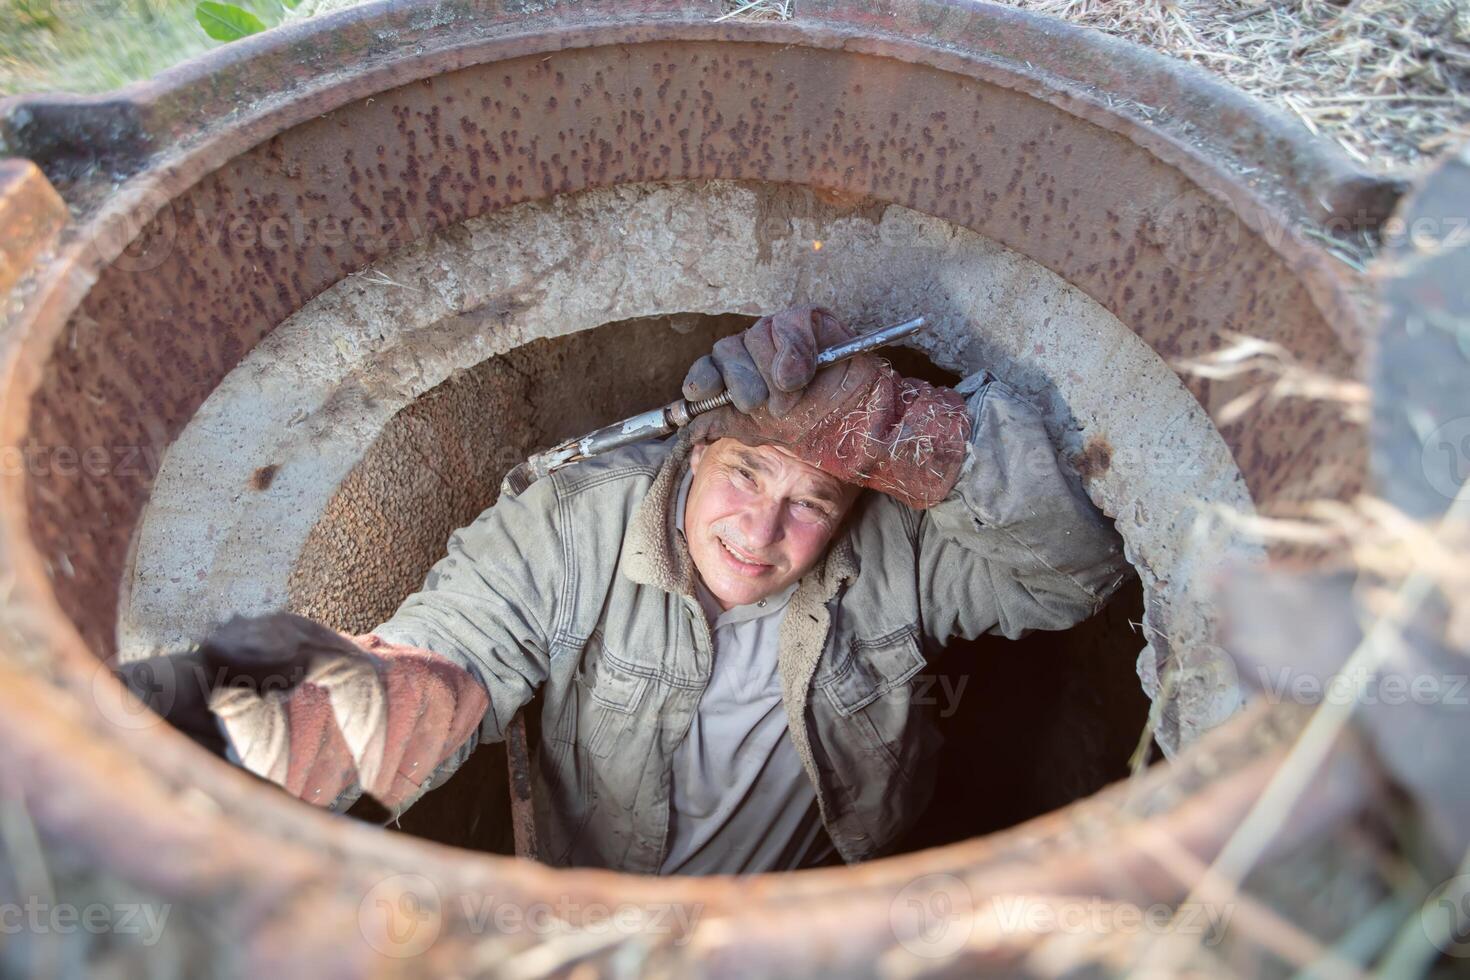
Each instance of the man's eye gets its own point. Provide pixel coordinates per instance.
(745, 473)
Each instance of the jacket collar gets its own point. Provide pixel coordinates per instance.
(654, 554)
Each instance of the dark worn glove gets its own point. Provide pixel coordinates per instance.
(770, 362)
(314, 711)
(858, 420)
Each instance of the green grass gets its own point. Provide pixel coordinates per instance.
(97, 45)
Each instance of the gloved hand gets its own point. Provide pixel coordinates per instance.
(317, 712)
(858, 420)
(769, 363)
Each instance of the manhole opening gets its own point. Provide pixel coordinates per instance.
(1029, 725)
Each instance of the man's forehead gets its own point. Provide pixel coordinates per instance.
(770, 456)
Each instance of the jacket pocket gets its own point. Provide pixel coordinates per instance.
(612, 693)
(874, 691)
(875, 668)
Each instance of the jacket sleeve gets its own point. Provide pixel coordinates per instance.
(490, 605)
(1016, 545)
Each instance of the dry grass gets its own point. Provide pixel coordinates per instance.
(1385, 546)
(1387, 80)
(1281, 377)
(757, 10)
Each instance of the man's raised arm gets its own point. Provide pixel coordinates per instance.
(1015, 545)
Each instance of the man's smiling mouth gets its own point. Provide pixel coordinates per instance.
(740, 560)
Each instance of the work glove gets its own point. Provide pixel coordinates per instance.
(857, 420)
(323, 715)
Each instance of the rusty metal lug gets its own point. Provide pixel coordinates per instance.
(32, 215)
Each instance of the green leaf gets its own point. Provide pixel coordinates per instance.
(225, 21)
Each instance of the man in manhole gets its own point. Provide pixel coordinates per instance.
(726, 628)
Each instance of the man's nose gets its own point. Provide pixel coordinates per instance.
(762, 524)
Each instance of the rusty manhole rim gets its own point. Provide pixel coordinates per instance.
(37, 711)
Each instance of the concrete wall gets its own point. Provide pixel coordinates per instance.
(408, 388)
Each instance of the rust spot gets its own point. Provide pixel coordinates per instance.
(839, 197)
(262, 478)
(1094, 459)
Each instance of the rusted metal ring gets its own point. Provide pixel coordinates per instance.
(1047, 105)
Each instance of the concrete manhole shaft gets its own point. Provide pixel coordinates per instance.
(266, 256)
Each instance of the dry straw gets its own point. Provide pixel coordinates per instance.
(1387, 80)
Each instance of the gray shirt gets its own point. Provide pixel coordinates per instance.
(741, 802)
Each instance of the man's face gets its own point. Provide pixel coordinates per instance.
(757, 518)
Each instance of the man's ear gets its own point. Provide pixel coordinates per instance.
(696, 456)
